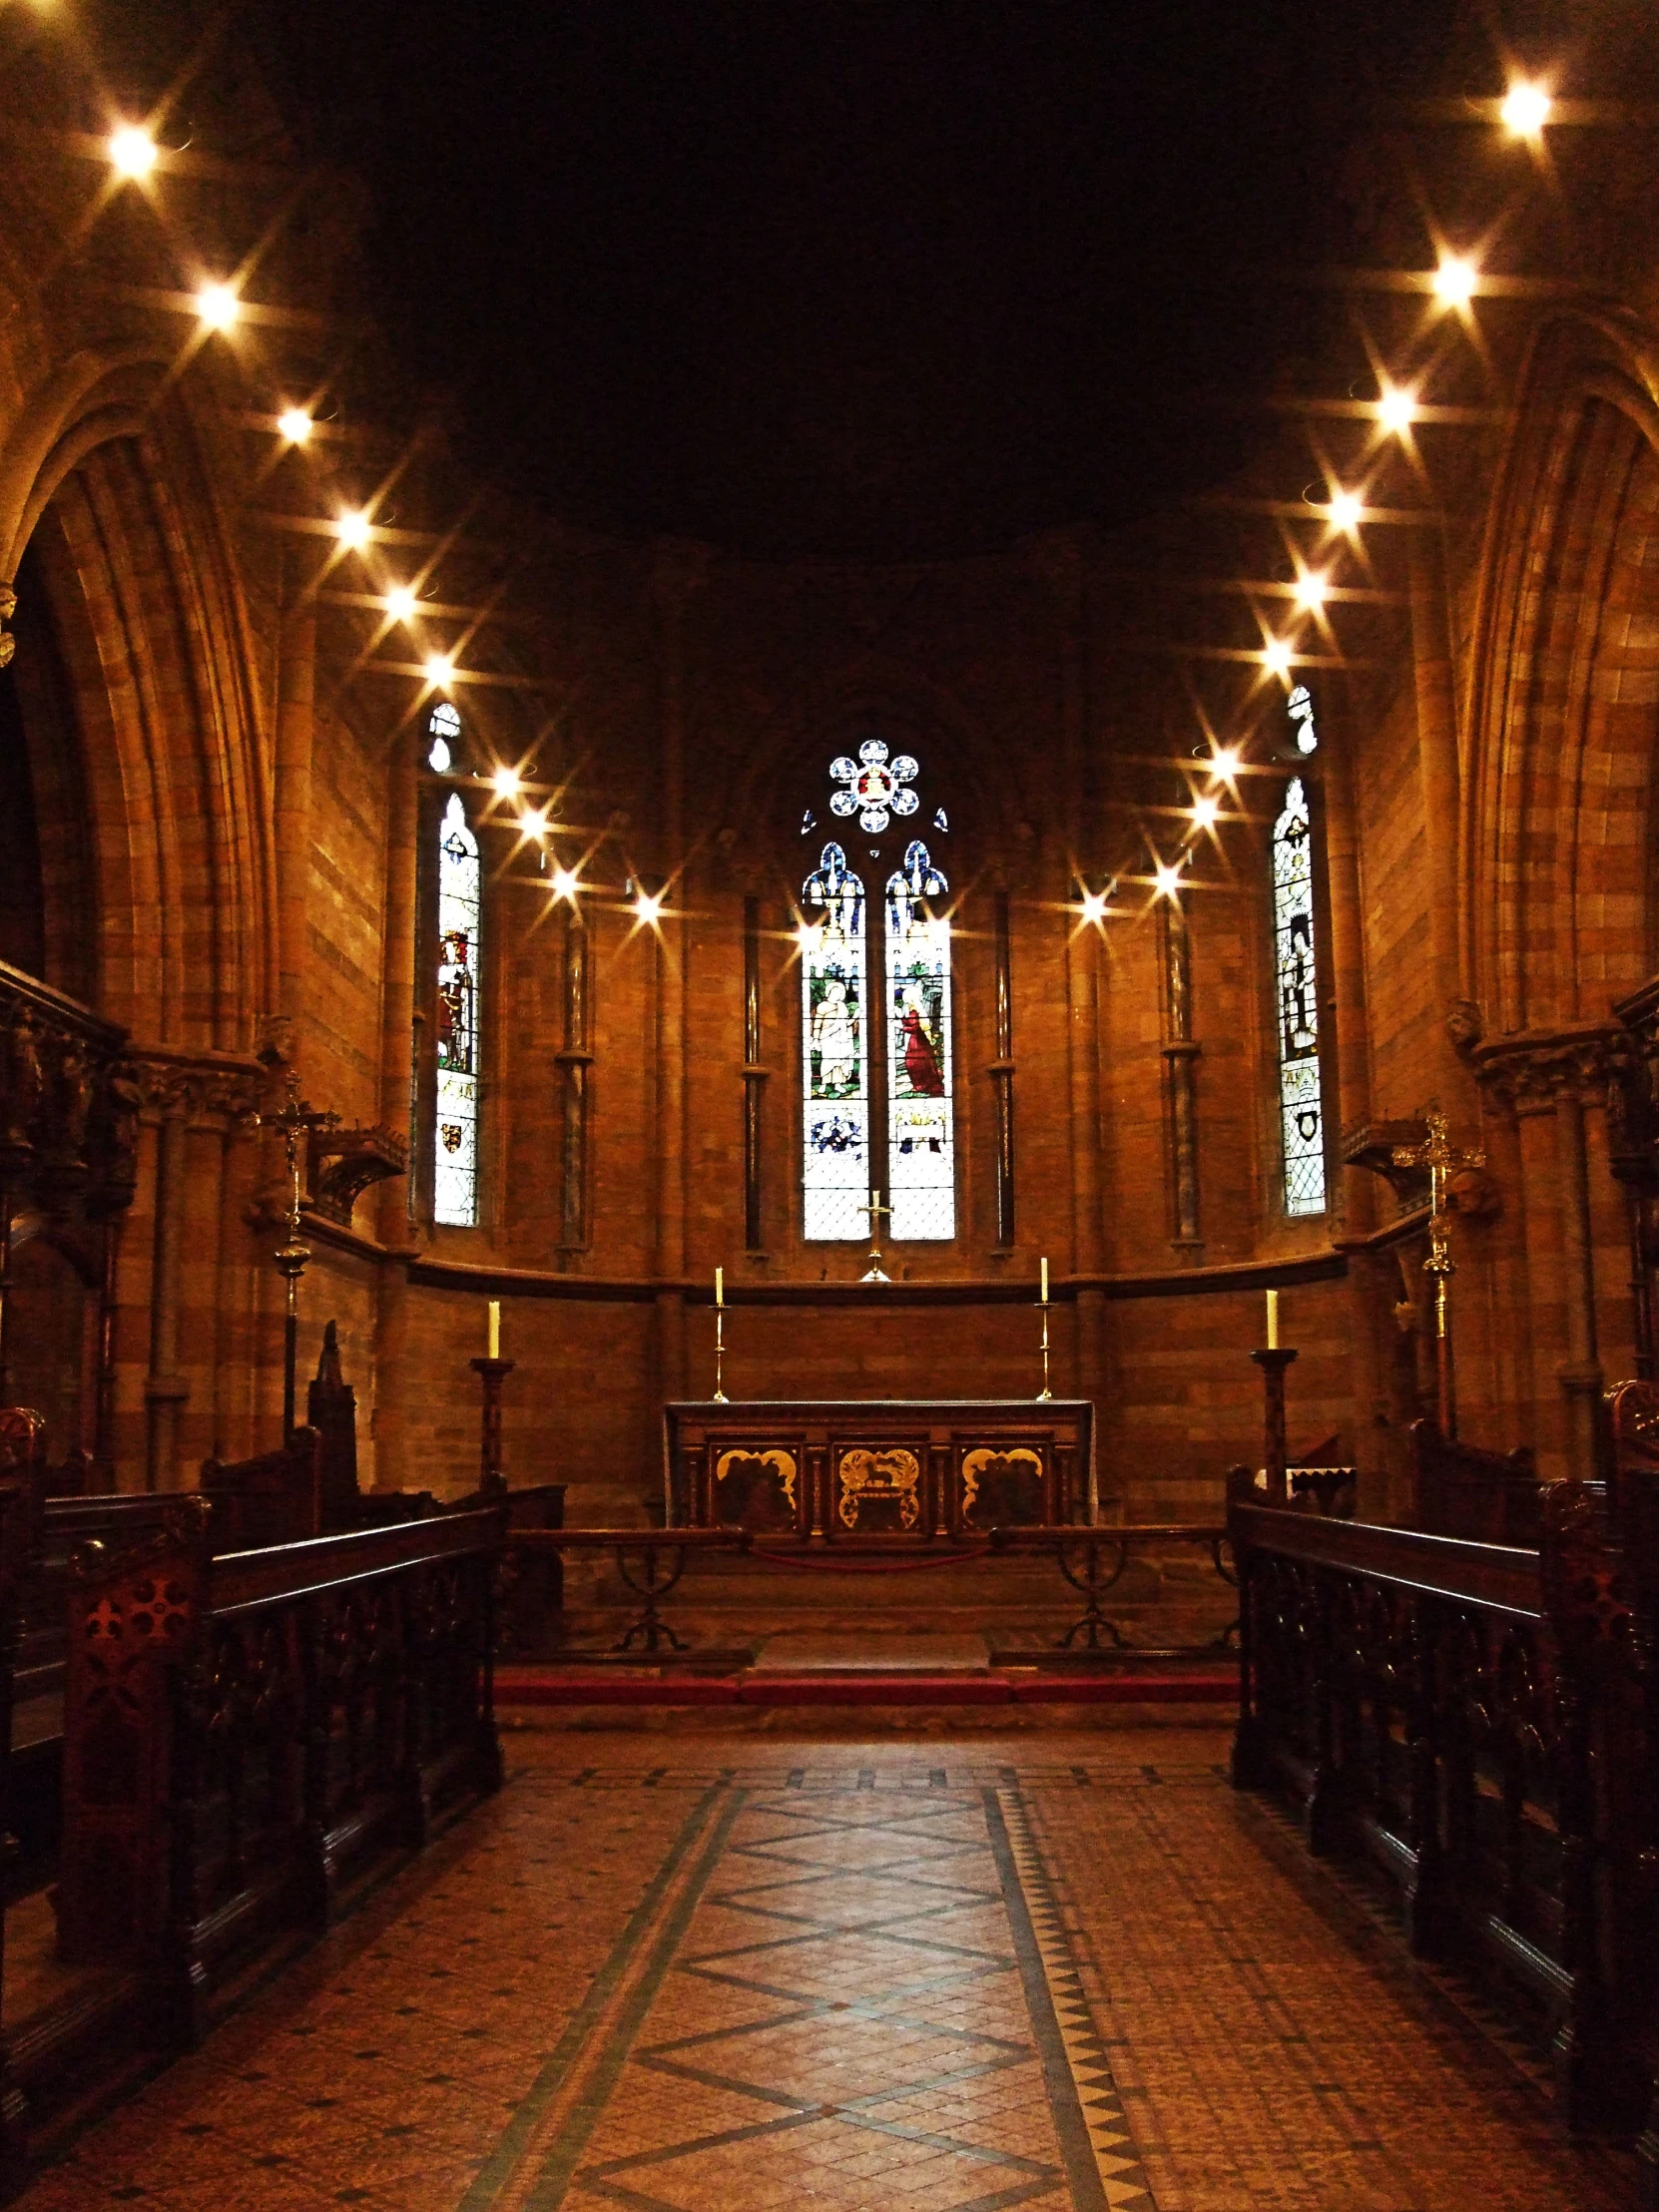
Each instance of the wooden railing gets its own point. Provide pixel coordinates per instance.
(1477, 1723)
(243, 1733)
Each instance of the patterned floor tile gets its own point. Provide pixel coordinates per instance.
(1068, 1974)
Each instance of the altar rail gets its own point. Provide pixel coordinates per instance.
(245, 1736)
(1478, 1723)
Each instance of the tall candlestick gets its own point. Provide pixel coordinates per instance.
(1045, 1280)
(1273, 1321)
(496, 1329)
(720, 1286)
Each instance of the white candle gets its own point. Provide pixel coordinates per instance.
(496, 1329)
(1273, 1321)
(1045, 1279)
(720, 1286)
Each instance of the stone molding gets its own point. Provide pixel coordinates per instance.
(1533, 1071)
(209, 1090)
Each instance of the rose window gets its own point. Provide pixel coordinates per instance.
(876, 786)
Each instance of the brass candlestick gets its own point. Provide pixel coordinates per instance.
(1272, 1365)
(492, 1477)
(1042, 1307)
(719, 1398)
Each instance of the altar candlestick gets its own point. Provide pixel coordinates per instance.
(720, 1286)
(496, 1329)
(1273, 1321)
(1045, 1280)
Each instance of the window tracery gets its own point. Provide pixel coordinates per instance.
(876, 996)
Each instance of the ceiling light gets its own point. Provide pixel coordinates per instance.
(1169, 880)
(401, 603)
(566, 882)
(217, 305)
(1397, 411)
(1094, 906)
(647, 908)
(1527, 110)
(1311, 590)
(1346, 509)
(295, 425)
(505, 780)
(1206, 813)
(440, 670)
(1454, 280)
(1225, 761)
(532, 823)
(1276, 655)
(352, 527)
(132, 151)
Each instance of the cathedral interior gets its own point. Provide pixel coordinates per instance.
(828, 1106)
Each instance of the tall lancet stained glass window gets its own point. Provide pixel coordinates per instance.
(1300, 1109)
(456, 1135)
(834, 1044)
(922, 1165)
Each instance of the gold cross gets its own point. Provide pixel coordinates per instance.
(296, 1117)
(875, 1209)
(1440, 1158)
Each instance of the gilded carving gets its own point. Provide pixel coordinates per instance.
(988, 1465)
(774, 1462)
(880, 1478)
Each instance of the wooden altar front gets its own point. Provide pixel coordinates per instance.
(837, 1469)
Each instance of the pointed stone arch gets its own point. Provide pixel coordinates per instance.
(102, 483)
(1558, 918)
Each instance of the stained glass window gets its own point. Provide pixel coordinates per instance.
(460, 900)
(1300, 1114)
(921, 1167)
(834, 1044)
(878, 786)
(443, 726)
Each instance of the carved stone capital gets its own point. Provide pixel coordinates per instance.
(1533, 1072)
(212, 1089)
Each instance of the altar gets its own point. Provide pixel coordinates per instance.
(838, 1471)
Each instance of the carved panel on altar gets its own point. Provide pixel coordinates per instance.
(835, 1471)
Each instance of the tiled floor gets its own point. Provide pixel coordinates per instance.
(736, 1974)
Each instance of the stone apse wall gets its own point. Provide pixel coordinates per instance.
(226, 757)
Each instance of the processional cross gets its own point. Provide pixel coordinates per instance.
(1440, 1158)
(295, 1120)
(875, 1273)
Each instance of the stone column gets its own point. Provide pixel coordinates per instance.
(165, 1389)
(396, 1199)
(1180, 1055)
(677, 571)
(1547, 1079)
(295, 733)
(1439, 776)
